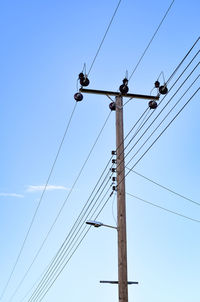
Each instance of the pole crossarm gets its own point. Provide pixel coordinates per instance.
(116, 282)
(115, 93)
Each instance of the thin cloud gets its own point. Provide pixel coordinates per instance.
(48, 188)
(12, 195)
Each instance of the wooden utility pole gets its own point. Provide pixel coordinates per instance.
(121, 204)
(121, 201)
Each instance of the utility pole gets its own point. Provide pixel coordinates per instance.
(121, 204)
(121, 201)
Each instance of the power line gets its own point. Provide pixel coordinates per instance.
(142, 125)
(57, 266)
(56, 218)
(162, 208)
(41, 288)
(80, 217)
(98, 50)
(75, 248)
(164, 187)
(143, 54)
(61, 254)
(163, 130)
(165, 116)
(102, 182)
(173, 74)
(165, 97)
(39, 203)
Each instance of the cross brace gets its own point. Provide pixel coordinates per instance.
(114, 93)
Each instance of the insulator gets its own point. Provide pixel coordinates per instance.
(123, 89)
(125, 81)
(113, 170)
(157, 84)
(113, 152)
(114, 178)
(114, 188)
(112, 106)
(81, 76)
(78, 96)
(153, 104)
(163, 89)
(84, 81)
(114, 161)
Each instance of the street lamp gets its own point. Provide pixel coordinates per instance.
(98, 224)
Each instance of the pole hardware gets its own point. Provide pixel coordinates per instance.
(117, 93)
(153, 105)
(84, 81)
(78, 96)
(114, 188)
(163, 89)
(112, 106)
(124, 87)
(116, 282)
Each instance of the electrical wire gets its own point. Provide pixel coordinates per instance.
(165, 116)
(61, 209)
(77, 221)
(164, 187)
(173, 74)
(39, 203)
(143, 54)
(109, 25)
(163, 131)
(75, 248)
(57, 266)
(162, 208)
(197, 53)
(39, 291)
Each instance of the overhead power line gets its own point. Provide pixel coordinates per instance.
(109, 25)
(86, 207)
(61, 209)
(173, 73)
(164, 187)
(39, 203)
(162, 208)
(58, 266)
(78, 220)
(157, 29)
(163, 131)
(147, 118)
(164, 117)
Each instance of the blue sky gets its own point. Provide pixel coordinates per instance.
(44, 45)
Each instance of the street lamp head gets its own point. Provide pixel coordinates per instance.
(96, 224)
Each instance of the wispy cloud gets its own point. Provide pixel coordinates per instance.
(12, 195)
(48, 188)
